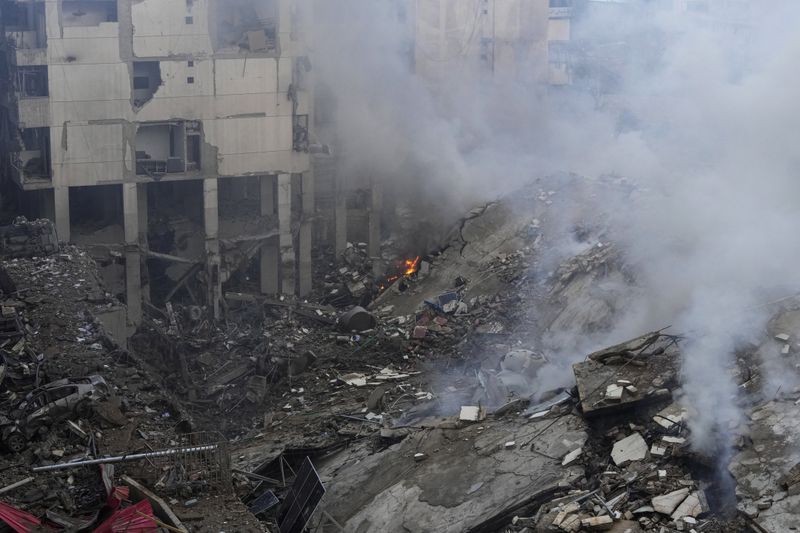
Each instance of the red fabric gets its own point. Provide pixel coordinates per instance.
(130, 520)
(117, 496)
(20, 521)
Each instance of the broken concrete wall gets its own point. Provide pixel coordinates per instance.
(511, 38)
(91, 89)
(171, 28)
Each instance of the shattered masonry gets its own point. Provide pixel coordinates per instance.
(187, 343)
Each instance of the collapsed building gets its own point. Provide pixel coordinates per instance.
(128, 116)
(200, 373)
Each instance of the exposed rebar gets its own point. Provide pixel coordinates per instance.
(126, 458)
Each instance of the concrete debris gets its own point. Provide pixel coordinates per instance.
(614, 392)
(626, 526)
(671, 416)
(428, 402)
(631, 448)
(694, 505)
(667, 503)
(597, 523)
(470, 413)
(627, 375)
(356, 380)
(657, 451)
(571, 457)
(26, 238)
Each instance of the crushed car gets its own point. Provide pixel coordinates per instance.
(58, 400)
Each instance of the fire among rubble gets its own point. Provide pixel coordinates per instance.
(348, 266)
(403, 269)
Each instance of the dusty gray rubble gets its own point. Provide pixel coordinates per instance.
(471, 388)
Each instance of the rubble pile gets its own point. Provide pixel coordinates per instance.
(26, 238)
(59, 309)
(347, 280)
(450, 394)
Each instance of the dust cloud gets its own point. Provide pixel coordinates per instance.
(699, 115)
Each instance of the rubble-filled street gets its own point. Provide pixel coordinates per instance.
(399, 266)
(433, 408)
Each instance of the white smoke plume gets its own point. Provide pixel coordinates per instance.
(700, 113)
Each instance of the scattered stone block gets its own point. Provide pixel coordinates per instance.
(614, 392)
(631, 448)
(571, 457)
(692, 506)
(667, 503)
(657, 450)
(471, 413)
(597, 523)
(671, 415)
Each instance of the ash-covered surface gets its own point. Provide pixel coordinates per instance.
(58, 300)
(480, 392)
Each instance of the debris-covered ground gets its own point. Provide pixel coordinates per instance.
(464, 390)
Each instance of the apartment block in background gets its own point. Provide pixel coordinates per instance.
(174, 132)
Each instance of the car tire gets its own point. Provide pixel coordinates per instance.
(16, 442)
(83, 409)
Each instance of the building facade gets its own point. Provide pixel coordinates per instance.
(525, 40)
(119, 104)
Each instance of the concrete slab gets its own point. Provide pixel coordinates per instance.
(598, 378)
(693, 505)
(388, 491)
(667, 503)
(631, 448)
(759, 468)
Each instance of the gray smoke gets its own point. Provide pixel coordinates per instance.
(698, 112)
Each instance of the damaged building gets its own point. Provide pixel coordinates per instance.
(239, 294)
(128, 116)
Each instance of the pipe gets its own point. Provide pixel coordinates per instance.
(125, 458)
(16, 485)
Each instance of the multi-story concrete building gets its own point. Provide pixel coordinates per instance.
(519, 39)
(6, 124)
(129, 111)
(446, 42)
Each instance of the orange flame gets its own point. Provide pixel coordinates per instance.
(411, 266)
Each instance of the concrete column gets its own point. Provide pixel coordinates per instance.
(213, 261)
(46, 205)
(340, 216)
(141, 194)
(285, 237)
(61, 201)
(270, 251)
(374, 230)
(305, 237)
(133, 274)
(130, 212)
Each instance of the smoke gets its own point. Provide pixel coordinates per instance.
(696, 109)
